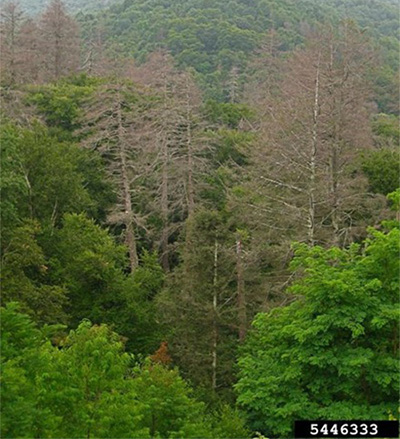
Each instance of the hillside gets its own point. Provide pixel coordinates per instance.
(217, 37)
(380, 16)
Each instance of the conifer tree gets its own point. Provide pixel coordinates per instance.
(12, 18)
(316, 123)
(59, 42)
(115, 113)
(179, 143)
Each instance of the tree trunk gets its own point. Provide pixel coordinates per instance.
(153, 425)
(333, 164)
(165, 183)
(313, 154)
(215, 318)
(241, 300)
(334, 156)
(12, 50)
(189, 152)
(57, 57)
(164, 206)
(126, 194)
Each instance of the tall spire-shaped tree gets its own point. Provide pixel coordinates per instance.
(59, 41)
(10, 26)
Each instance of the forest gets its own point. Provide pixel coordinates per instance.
(199, 216)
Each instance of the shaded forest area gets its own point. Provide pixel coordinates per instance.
(199, 217)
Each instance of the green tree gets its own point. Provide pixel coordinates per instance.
(331, 354)
(53, 184)
(12, 183)
(87, 260)
(91, 391)
(30, 187)
(61, 103)
(382, 169)
(25, 277)
(139, 320)
(92, 267)
(86, 387)
(198, 306)
(228, 422)
(387, 126)
(170, 411)
(381, 165)
(26, 357)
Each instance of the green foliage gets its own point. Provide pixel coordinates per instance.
(215, 37)
(382, 169)
(332, 354)
(381, 165)
(46, 173)
(394, 197)
(227, 113)
(387, 126)
(91, 265)
(170, 411)
(186, 304)
(60, 103)
(211, 37)
(86, 387)
(229, 149)
(77, 390)
(25, 277)
(90, 389)
(24, 353)
(228, 422)
(88, 261)
(231, 146)
(138, 321)
(43, 178)
(12, 183)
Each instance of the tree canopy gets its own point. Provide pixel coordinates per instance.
(332, 354)
(199, 216)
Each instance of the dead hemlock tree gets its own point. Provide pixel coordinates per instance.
(179, 143)
(116, 129)
(12, 18)
(38, 50)
(316, 123)
(19, 62)
(95, 61)
(263, 73)
(59, 42)
(31, 53)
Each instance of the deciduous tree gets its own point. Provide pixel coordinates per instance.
(332, 354)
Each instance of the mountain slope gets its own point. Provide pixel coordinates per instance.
(217, 37)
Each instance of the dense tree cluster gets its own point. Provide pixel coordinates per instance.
(198, 218)
(217, 38)
(86, 385)
(322, 356)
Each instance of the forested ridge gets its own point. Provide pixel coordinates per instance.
(199, 216)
